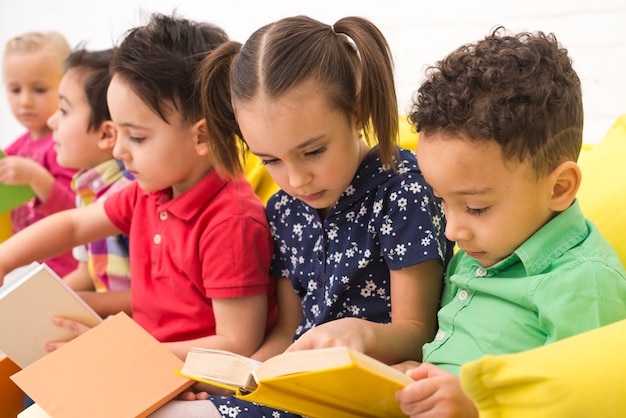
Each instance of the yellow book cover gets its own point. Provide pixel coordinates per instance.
(12, 196)
(27, 305)
(329, 382)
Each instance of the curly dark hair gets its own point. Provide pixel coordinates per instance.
(519, 90)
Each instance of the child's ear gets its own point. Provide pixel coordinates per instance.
(565, 180)
(199, 131)
(108, 135)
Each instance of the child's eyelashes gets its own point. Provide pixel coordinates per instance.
(315, 152)
(476, 211)
(137, 139)
(309, 154)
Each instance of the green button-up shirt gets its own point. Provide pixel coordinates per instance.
(564, 280)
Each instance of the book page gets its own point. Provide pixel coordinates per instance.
(219, 366)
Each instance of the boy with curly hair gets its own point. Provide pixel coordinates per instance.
(500, 124)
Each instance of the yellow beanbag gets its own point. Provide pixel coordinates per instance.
(5, 226)
(603, 189)
(581, 376)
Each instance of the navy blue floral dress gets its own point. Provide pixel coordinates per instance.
(339, 265)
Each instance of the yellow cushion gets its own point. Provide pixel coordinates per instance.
(407, 137)
(581, 376)
(259, 178)
(603, 186)
(5, 226)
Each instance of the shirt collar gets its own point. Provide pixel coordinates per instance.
(188, 204)
(559, 235)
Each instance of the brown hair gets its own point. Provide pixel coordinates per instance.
(519, 90)
(94, 66)
(159, 61)
(350, 61)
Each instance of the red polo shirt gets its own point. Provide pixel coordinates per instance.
(213, 241)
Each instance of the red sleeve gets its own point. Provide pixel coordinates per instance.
(119, 206)
(244, 247)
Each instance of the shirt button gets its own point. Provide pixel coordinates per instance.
(440, 336)
(157, 239)
(163, 215)
(481, 272)
(463, 294)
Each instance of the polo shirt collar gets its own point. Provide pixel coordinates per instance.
(188, 204)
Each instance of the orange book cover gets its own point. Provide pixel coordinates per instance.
(116, 369)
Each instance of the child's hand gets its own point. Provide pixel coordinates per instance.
(70, 325)
(17, 170)
(201, 391)
(435, 393)
(406, 365)
(344, 332)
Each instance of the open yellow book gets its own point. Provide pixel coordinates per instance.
(329, 382)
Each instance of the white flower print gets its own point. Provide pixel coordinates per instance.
(363, 263)
(312, 286)
(297, 229)
(415, 188)
(332, 234)
(350, 190)
(393, 196)
(426, 241)
(315, 310)
(400, 249)
(363, 211)
(377, 207)
(386, 229)
(402, 203)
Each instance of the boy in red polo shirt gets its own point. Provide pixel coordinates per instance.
(200, 245)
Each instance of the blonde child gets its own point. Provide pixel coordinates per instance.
(500, 124)
(85, 136)
(32, 70)
(358, 239)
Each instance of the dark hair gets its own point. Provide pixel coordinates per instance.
(94, 65)
(350, 61)
(159, 61)
(519, 90)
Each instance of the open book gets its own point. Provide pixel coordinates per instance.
(27, 305)
(11, 196)
(328, 382)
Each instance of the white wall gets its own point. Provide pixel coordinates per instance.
(419, 32)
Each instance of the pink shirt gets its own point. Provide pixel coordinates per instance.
(61, 196)
(211, 242)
